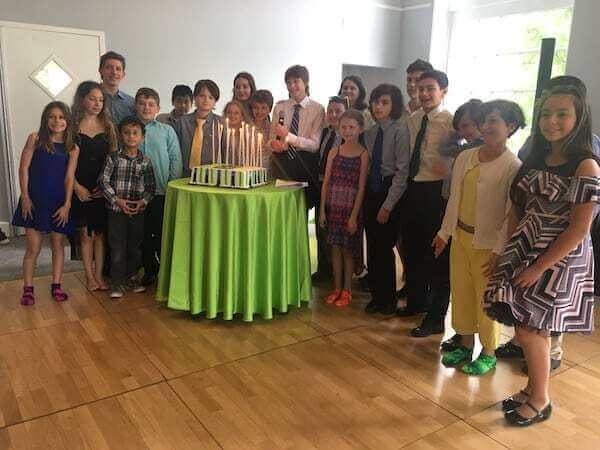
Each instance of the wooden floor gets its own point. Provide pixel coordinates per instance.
(92, 373)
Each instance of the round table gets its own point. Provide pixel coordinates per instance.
(234, 251)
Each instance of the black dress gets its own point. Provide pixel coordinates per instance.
(92, 154)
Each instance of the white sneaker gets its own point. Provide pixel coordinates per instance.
(116, 292)
(137, 287)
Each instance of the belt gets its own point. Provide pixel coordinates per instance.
(468, 228)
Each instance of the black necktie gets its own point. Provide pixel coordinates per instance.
(375, 172)
(329, 140)
(415, 160)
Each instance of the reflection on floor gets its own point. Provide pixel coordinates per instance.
(93, 373)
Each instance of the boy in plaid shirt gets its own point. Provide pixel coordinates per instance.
(127, 182)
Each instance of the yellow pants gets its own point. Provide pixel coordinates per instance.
(467, 285)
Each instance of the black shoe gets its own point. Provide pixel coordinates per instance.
(449, 345)
(372, 307)
(554, 364)
(514, 418)
(402, 293)
(508, 404)
(509, 351)
(388, 309)
(405, 312)
(319, 277)
(148, 279)
(425, 330)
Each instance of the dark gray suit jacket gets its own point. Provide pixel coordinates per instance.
(185, 132)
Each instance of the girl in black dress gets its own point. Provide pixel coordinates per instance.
(97, 138)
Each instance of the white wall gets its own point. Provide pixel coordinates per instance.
(180, 41)
(584, 55)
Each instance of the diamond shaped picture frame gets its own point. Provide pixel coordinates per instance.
(52, 76)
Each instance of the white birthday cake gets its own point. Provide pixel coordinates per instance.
(228, 176)
(236, 157)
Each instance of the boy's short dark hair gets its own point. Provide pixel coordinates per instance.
(132, 120)
(419, 65)
(471, 108)
(567, 80)
(339, 99)
(440, 77)
(210, 85)
(147, 93)
(510, 112)
(111, 55)
(354, 114)
(181, 90)
(262, 96)
(395, 94)
(297, 71)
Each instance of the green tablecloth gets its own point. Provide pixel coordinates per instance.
(234, 251)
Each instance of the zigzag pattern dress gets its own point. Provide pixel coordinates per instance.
(563, 298)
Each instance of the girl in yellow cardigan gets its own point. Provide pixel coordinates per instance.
(476, 219)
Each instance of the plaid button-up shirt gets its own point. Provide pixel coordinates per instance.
(129, 178)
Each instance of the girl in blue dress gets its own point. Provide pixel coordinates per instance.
(46, 175)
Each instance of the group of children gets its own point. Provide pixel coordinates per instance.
(413, 176)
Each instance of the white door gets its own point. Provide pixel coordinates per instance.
(39, 64)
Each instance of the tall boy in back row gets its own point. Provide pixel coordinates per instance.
(428, 281)
(295, 143)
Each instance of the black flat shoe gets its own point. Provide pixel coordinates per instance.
(509, 351)
(514, 418)
(372, 307)
(508, 404)
(449, 345)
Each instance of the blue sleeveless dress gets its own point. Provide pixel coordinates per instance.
(47, 190)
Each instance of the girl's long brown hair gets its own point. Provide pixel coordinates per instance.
(43, 135)
(83, 90)
(577, 146)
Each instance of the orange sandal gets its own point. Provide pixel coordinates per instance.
(331, 298)
(344, 299)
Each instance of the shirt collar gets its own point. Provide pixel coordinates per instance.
(305, 101)
(124, 155)
(434, 112)
(385, 124)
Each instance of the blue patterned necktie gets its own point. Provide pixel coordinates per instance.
(375, 173)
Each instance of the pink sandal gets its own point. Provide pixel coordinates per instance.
(57, 293)
(28, 298)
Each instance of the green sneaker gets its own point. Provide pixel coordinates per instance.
(482, 365)
(455, 357)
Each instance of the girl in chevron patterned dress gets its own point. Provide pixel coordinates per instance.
(543, 281)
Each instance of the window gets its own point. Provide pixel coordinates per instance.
(498, 57)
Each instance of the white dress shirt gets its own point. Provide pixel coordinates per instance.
(312, 116)
(439, 129)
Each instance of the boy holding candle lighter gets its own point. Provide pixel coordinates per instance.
(295, 133)
(161, 146)
(196, 131)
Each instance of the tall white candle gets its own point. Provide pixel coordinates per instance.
(260, 148)
(213, 141)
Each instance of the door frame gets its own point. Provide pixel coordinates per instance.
(10, 175)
